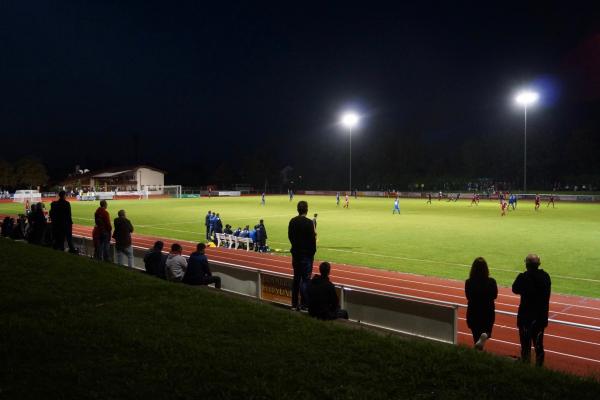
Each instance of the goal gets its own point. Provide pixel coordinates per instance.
(172, 191)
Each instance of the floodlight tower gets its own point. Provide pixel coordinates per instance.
(350, 120)
(525, 98)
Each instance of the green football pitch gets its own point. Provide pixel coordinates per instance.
(439, 239)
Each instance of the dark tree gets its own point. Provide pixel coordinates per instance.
(30, 172)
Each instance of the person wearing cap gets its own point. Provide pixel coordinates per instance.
(533, 286)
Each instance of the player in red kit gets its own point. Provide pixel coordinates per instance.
(537, 202)
(504, 206)
(551, 200)
(346, 201)
(474, 199)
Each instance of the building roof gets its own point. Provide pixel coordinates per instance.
(108, 173)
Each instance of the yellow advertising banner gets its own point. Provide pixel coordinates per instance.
(276, 289)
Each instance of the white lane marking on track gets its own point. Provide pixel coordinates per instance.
(545, 334)
(546, 350)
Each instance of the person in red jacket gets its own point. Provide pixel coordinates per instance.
(103, 230)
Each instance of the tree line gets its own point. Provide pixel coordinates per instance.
(27, 172)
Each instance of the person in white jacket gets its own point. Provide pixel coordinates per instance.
(176, 265)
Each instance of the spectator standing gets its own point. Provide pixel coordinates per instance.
(323, 302)
(198, 271)
(155, 260)
(176, 265)
(104, 229)
(62, 223)
(481, 291)
(301, 233)
(122, 236)
(533, 286)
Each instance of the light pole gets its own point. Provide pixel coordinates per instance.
(350, 120)
(525, 98)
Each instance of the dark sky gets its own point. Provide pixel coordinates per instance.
(196, 82)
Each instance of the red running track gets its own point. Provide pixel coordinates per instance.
(568, 348)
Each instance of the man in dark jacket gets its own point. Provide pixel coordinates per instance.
(261, 236)
(323, 302)
(155, 260)
(198, 270)
(301, 233)
(122, 236)
(534, 287)
(62, 223)
(102, 231)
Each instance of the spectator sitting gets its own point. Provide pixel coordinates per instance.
(228, 230)
(198, 271)
(155, 260)
(175, 265)
(323, 302)
(246, 232)
(238, 231)
(19, 231)
(7, 226)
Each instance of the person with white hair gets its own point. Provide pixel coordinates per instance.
(533, 286)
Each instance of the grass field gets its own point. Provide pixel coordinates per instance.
(440, 239)
(74, 328)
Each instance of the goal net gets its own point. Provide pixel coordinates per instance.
(172, 191)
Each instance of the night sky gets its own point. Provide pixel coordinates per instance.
(204, 89)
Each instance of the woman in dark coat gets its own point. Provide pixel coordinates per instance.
(481, 291)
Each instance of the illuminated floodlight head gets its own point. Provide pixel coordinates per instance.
(350, 120)
(526, 97)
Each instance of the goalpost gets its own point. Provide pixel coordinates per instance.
(172, 191)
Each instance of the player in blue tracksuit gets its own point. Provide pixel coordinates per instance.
(211, 223)
(337, 199)
(291, 193)
(396, 206)
(207, 224)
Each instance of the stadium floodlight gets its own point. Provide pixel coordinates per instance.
(525, 98)
(350, 120)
